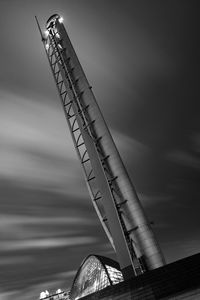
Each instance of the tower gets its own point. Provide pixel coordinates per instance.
(111, 190)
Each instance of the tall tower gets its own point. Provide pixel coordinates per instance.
(112, 193)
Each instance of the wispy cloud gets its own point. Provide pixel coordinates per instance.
(36, 146)
(184, 158)
(154, 199)
(130, 148)
(46, 243)
(6, 220)
(16, 260)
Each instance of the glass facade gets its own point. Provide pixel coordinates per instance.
(95, 273)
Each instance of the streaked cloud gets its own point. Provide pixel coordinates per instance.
(14, 220)
(184, 158)
(46, 243)
(130, 148)
(36, 147)
(15, 260)
(154, 199)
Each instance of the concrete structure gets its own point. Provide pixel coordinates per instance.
(112, 193)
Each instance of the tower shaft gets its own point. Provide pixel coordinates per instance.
(111, 190)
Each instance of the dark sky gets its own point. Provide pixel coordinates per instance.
(141, 59)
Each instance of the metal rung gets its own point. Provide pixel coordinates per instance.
(74, 130)
(53, 64)
(97, 139)
(81, 144)
(76, 81)
(59, 82)
(80, 94)
(121, 203)
(68, 103)
(112, 179)
(84, 109)
(84, 161)
(90, 123)
(63, 93)
(57, 72)
(105, 157)
(53, 53)
(89, 179)
(95, 199)
(70, 116)
(132, 229)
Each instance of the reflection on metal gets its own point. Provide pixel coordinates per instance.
(109, 185)
(95, 273)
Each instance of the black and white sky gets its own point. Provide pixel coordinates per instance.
(140, 56)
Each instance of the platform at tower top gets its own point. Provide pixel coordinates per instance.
(177, 280)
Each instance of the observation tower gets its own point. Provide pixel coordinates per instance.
(111, 190)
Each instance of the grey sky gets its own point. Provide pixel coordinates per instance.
(141, 59)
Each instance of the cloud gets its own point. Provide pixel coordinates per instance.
(36, 146)
(46, 243)
(8, 295)
(32, 292)
(154, 199)
(184, 158)
(18, 229)
(6, 220)
(130, 148)
(13, 260)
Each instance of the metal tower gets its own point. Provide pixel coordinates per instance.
(112, 193)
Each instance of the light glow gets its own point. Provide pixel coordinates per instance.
(42, 295)
(47, 46)
(60, 20)
(46, 33)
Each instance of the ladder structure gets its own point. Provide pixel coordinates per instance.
(111, 190)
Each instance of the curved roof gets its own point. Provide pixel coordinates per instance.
(95, 273)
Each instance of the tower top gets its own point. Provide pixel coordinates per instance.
(53, 19)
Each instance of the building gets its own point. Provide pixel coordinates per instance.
(112, 192)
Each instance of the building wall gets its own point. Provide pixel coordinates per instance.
(179, 280)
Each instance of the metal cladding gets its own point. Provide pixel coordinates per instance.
(109, 185)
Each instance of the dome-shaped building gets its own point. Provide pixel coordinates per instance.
(94, 274)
